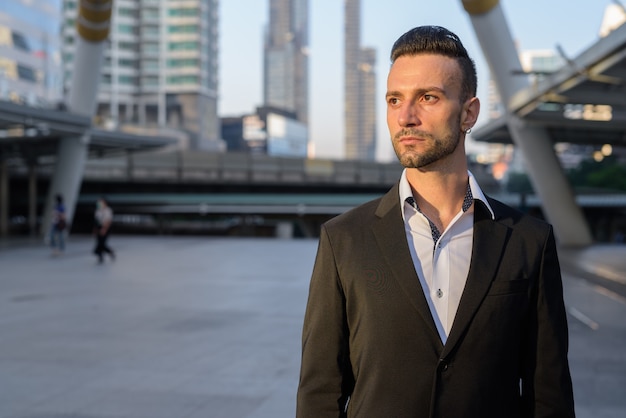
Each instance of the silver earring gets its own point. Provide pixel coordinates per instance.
(468, 130)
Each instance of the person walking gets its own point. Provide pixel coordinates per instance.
(58, 227)
(103, 218)
(434, 300)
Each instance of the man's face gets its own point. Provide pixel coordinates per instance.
(424, 108)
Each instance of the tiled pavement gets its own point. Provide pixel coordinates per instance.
(186, 327)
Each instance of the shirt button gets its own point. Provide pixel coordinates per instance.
(439, 293)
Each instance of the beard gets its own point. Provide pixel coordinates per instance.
(439, 148)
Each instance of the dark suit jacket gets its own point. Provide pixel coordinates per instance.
(369, 336)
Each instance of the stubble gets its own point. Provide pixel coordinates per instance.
(434, 149)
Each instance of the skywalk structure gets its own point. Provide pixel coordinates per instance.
(584, 102)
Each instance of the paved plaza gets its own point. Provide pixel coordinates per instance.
(189, 327)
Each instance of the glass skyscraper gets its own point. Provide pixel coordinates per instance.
(360, 89)
(30, 59)
(286, 76)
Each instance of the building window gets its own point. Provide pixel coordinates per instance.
(150, 81)
(26, 73)
(126, 63)
(183, 46)
(126, 29)
(122, 11)
(126, 46)
(150, 30)
(20, 42)
(183, 12)
(8, 68)
(182, 79)
(183, 29)
(151, 47)
(150, 14)
(126, 80)
(150, 64)
(182, 62)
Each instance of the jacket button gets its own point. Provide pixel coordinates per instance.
(443, 366)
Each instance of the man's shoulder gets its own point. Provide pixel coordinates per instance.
(360, 214)
(516, 218)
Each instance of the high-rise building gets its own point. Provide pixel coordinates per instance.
(286, 73)
(160, 68)
(30, 59)
(614, 17)
(360, 89)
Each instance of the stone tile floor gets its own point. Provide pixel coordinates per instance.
(186, 327)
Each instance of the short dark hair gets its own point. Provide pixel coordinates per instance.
(440, 41)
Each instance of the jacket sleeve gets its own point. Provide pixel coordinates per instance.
(325, 375)
(547, 386)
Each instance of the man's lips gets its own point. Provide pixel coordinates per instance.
(410, 139)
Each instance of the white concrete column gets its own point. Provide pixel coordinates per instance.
(32, 198)
(4, 198)
(92, 27)
(544, 170)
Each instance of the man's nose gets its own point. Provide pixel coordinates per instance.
(408, 116)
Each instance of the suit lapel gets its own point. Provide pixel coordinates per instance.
(489, 242)
(391, 239)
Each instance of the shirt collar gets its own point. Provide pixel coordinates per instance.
(477, 193)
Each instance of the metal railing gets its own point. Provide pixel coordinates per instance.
(201, 166)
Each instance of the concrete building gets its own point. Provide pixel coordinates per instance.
(269, 131)
(30, 66)
(286, 56)
(359, 87)
(160, 69)
(614, 17)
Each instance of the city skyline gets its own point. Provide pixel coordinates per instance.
(241, 27)
(534, 26)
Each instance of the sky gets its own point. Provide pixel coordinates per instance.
(534, 24)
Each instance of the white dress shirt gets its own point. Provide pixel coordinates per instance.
(441, 258)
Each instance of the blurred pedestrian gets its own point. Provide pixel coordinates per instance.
(103, 218)
(58, 227)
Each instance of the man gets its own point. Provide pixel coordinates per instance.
(434, 300)
(59, 224)
(103, 218)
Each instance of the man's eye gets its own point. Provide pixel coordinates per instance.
(392, 101)
(429, 98)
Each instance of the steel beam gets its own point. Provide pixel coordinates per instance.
(543, 167)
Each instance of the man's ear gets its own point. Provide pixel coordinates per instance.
(469, 115)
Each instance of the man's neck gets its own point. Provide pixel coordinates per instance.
(438, 194)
